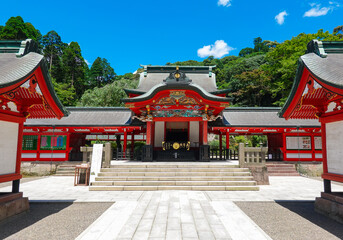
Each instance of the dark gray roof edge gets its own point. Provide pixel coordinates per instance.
(275, 126)
(71, 125)
(51, 88)
(294, 88)
(252, 109)
(97, 109)
(174, 66)
(8, 84)
(194, 87)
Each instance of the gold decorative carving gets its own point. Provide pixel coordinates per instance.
(167, 101)
(177, 94)
(187, 101)
(129, 105)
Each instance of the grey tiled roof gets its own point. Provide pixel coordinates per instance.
(87, 117)
(328, 69)
(262, 117)
(14, 69)
(201, 79)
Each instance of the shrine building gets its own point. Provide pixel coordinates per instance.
(173, 110)
(26, 92)
(317, 93)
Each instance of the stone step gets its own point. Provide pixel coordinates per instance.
(170, 174)
(174, 183)
(64, 174)
(174, 169)
(156, 188)
(284, 174)
(282, 171)
(281, 168)
(173, 166)
(199, 178)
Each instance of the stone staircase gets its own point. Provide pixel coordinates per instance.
(281, 169)
(65, 170)
(174, 176)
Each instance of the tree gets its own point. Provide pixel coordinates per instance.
(282, 62)
(246, 51)
(101, 73)
(65, 92)
(53, 47)
(260, 46)
(17, 29)
(338, 31)
(108, 96)
(75, 67)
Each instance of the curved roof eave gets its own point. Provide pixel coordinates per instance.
(162, 86)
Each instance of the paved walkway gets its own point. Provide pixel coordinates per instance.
(173, 214)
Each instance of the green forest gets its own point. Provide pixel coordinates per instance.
(261, 75)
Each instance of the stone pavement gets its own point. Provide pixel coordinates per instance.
(173, 214)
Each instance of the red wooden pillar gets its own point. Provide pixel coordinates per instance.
(227, 140)
(148, 132)
(204, 133)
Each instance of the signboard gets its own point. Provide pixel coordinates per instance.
(54, 142)
(8, 147)
(301, 143)
(96, 161)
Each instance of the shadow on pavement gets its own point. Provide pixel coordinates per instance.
(37, 212)
(306, 210)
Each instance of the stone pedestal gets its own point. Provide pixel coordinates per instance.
(331, 205)
(147, 153)
(260, 174)
(12, 204)
(204, 155)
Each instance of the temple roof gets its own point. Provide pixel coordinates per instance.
(24, 79)
(88, 116)
(117, 116)
(324, 62)
(262, 117)
(200, 75)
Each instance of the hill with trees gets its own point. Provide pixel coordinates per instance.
(261, 75)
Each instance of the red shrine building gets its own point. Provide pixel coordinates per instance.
(26, 92)
(173, 109)
(317, 93)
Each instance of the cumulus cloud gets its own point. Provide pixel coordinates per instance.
(217, 50)
(225, 3)
(280, 18)
(317, 10)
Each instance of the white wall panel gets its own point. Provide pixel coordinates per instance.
(300, 155)
(28, 155)
(8, 147)
(54, 155)
(334, 149)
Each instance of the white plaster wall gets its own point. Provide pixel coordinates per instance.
(8, 147)
(300, 155)
(194, 134)
(334, 149)
(159, 133)
(54, 155)
(28, 155)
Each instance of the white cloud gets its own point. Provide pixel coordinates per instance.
(88, 63)
(280, 18)
(317, 11)
(219, 49)
(225, 3)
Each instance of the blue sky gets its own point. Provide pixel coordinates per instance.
(129, 33)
